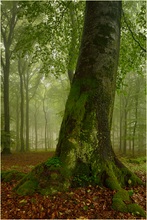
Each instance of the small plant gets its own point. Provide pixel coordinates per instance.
(54, 161)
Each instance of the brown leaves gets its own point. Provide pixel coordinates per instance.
(82, 203)
(24, 162)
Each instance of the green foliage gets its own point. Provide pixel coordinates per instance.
(133, 40)
(54, 161)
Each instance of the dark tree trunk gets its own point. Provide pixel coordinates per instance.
(7, 37)
(6, 149)
(89, 107)
(84, 140)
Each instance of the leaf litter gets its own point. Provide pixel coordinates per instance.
(79, 203)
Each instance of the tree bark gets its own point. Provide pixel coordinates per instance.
(92, 93)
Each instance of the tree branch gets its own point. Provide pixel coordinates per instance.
(132, 33)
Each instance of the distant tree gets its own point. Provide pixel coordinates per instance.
(9, 20)
(21, 70)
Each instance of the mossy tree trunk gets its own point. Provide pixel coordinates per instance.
(84, 141)
(84, 152)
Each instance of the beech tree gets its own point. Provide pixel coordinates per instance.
(84, 152)
(9, 20)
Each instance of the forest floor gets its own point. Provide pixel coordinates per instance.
(81, 203)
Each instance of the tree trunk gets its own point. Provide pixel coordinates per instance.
(125, 132)
(17, 125)
(136, 116)
(36, 128)
(73, 43)
(84, 152)
(20, 70)
(46, 123)
(27, 110)
(88, 109)
(6, 149)
(7, 30)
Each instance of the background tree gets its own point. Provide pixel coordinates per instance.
(9, 20)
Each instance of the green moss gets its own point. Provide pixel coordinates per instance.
(10, 175)
(81, 174)
(136, 210)
(54, 161)
(112, 183)
(44, 178)
(119, 205)
(48, 191)
(54, 176)
(127, 178)
(122, 194)
(27, 188)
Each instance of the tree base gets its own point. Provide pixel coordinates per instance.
(54, 176)
(47, 178)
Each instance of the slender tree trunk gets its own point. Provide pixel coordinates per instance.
(6, 105)
(121, 126)
(27, 111)
(7, 37)
(20, 70)
(136, 117)
(36, 133)
(125, 132)
(17, 125)
(130, 133)
(45, 127)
